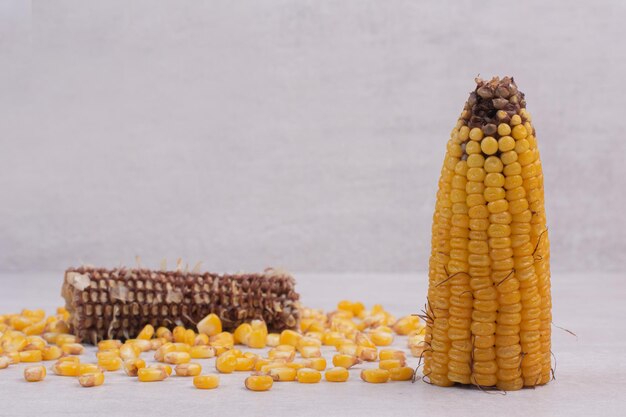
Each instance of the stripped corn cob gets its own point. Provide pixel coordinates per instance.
(489, 304)
(118, 303)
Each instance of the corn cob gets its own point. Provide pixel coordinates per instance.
(118, 303)
(489, 304)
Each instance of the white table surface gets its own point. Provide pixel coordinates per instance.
(590, 373)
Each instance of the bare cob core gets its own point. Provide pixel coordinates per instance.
(117, 303)
(489, 304)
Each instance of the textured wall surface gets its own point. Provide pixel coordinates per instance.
(305, 134)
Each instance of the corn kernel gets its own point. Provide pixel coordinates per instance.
(66, 368)
(65, 338)
(20, 322)
(375, 376)
(288, 356)
(289, 337)
(345, 361)
(256, 339)
(188, 369)
(332, 338)
(367, 353)
(202, 352)
(13, 357)
(347, 349)
(178, 334)
(391, 354)
(35, 328)
(109, 344)
(241, 333)
(143, 345)
(226, 363)
(71, 359)
(50, 337)
(310, 352)
(337, 374)
(282, 374)
(177, 357)
(157, 343)
(151, 374)
(259, 382)
(225, 339)
(201, 340)
(391, 363)
(244, 364)
(93, 379)
(159, 354)
(88, 368)
(146, 333)
(299, 365)
(129, 351)
(210, 325)
(417, 351)
(190, 337)
(73, 349)
(319, 364)
(132, 366)
(110, 364)
(166, 368)
(272, 339)
(164, 333)
(4, 362)
(261, 362)
(31, 356)
(206, 381)
(108, 354)
(34, 373)
(406, 325)
(381, 338)
(404, 373)
(309, 376)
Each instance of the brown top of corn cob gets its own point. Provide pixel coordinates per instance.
(491, 103)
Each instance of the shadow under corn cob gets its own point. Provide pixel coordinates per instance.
(117, 303)
(489, 305)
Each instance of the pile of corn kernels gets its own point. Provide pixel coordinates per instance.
(358, 335)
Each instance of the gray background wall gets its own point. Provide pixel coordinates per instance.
(306, 134)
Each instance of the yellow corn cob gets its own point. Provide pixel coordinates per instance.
(489, 304)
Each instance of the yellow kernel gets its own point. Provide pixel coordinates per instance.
(391, 354)
(244, 364)
(367, 354)
(404, 373)
(241, 333)
(381, 338)
(407, 324)
(309, 376)
(210, 325)
(108, 354)
(158, 342)
(226, 363)
(489, 145)
(202, 352)
(166, 368)
(201, 340)
(146, 333)
(362, 339)
(4, 362)
(110, 364)
(178, 334)
(87, 368)
(337, 374)
(132, 366)
(272, 339)
(188, 369)
(190, 337)
(318, 364)
(65, 368)
(345, 361)
(129, 351)
(504, 129)
(288, 356)
(375, 376)
(31, 356)
(93, 379)
(109, 344)
(141, 344)
(519, 132)
(476, 134)
(206, 381)
(65, 338)
(310, 352)
(256, 338)
(73, 349)
(347, 349)
(391, 363)
(290, 337)
(151, 374)
(283, 374)
(515, 120)
(177, 357)
(72, 359)
(34, 373)
(506, 143)
(259, 382)
(164, 333)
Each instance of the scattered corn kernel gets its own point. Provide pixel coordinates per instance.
(403, 373)
(164, 333)
(151, 374)
(210, 325)
(391, 363)
(375, 376)
(310, 352)
(345, 361)
(34, 373)
(88, 368)
(391, 354)
(188, 369)
(309, 376)
(206, 381)
(272, 339)
(259, 382)
(290, 337)
(31, 356)
(51, 353)
(132, 366)
(166, 368)
(66, 368)
(109, 344)
(146, 333)
(202, 352)
(282, 374)
(4, 362)
(226, 363)
(73, 349)
(177, 357)
(319, 364)
(92, 379)
(110, 364)
(129, 351)
(337, 374)
(367, 353)
(245, 364)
